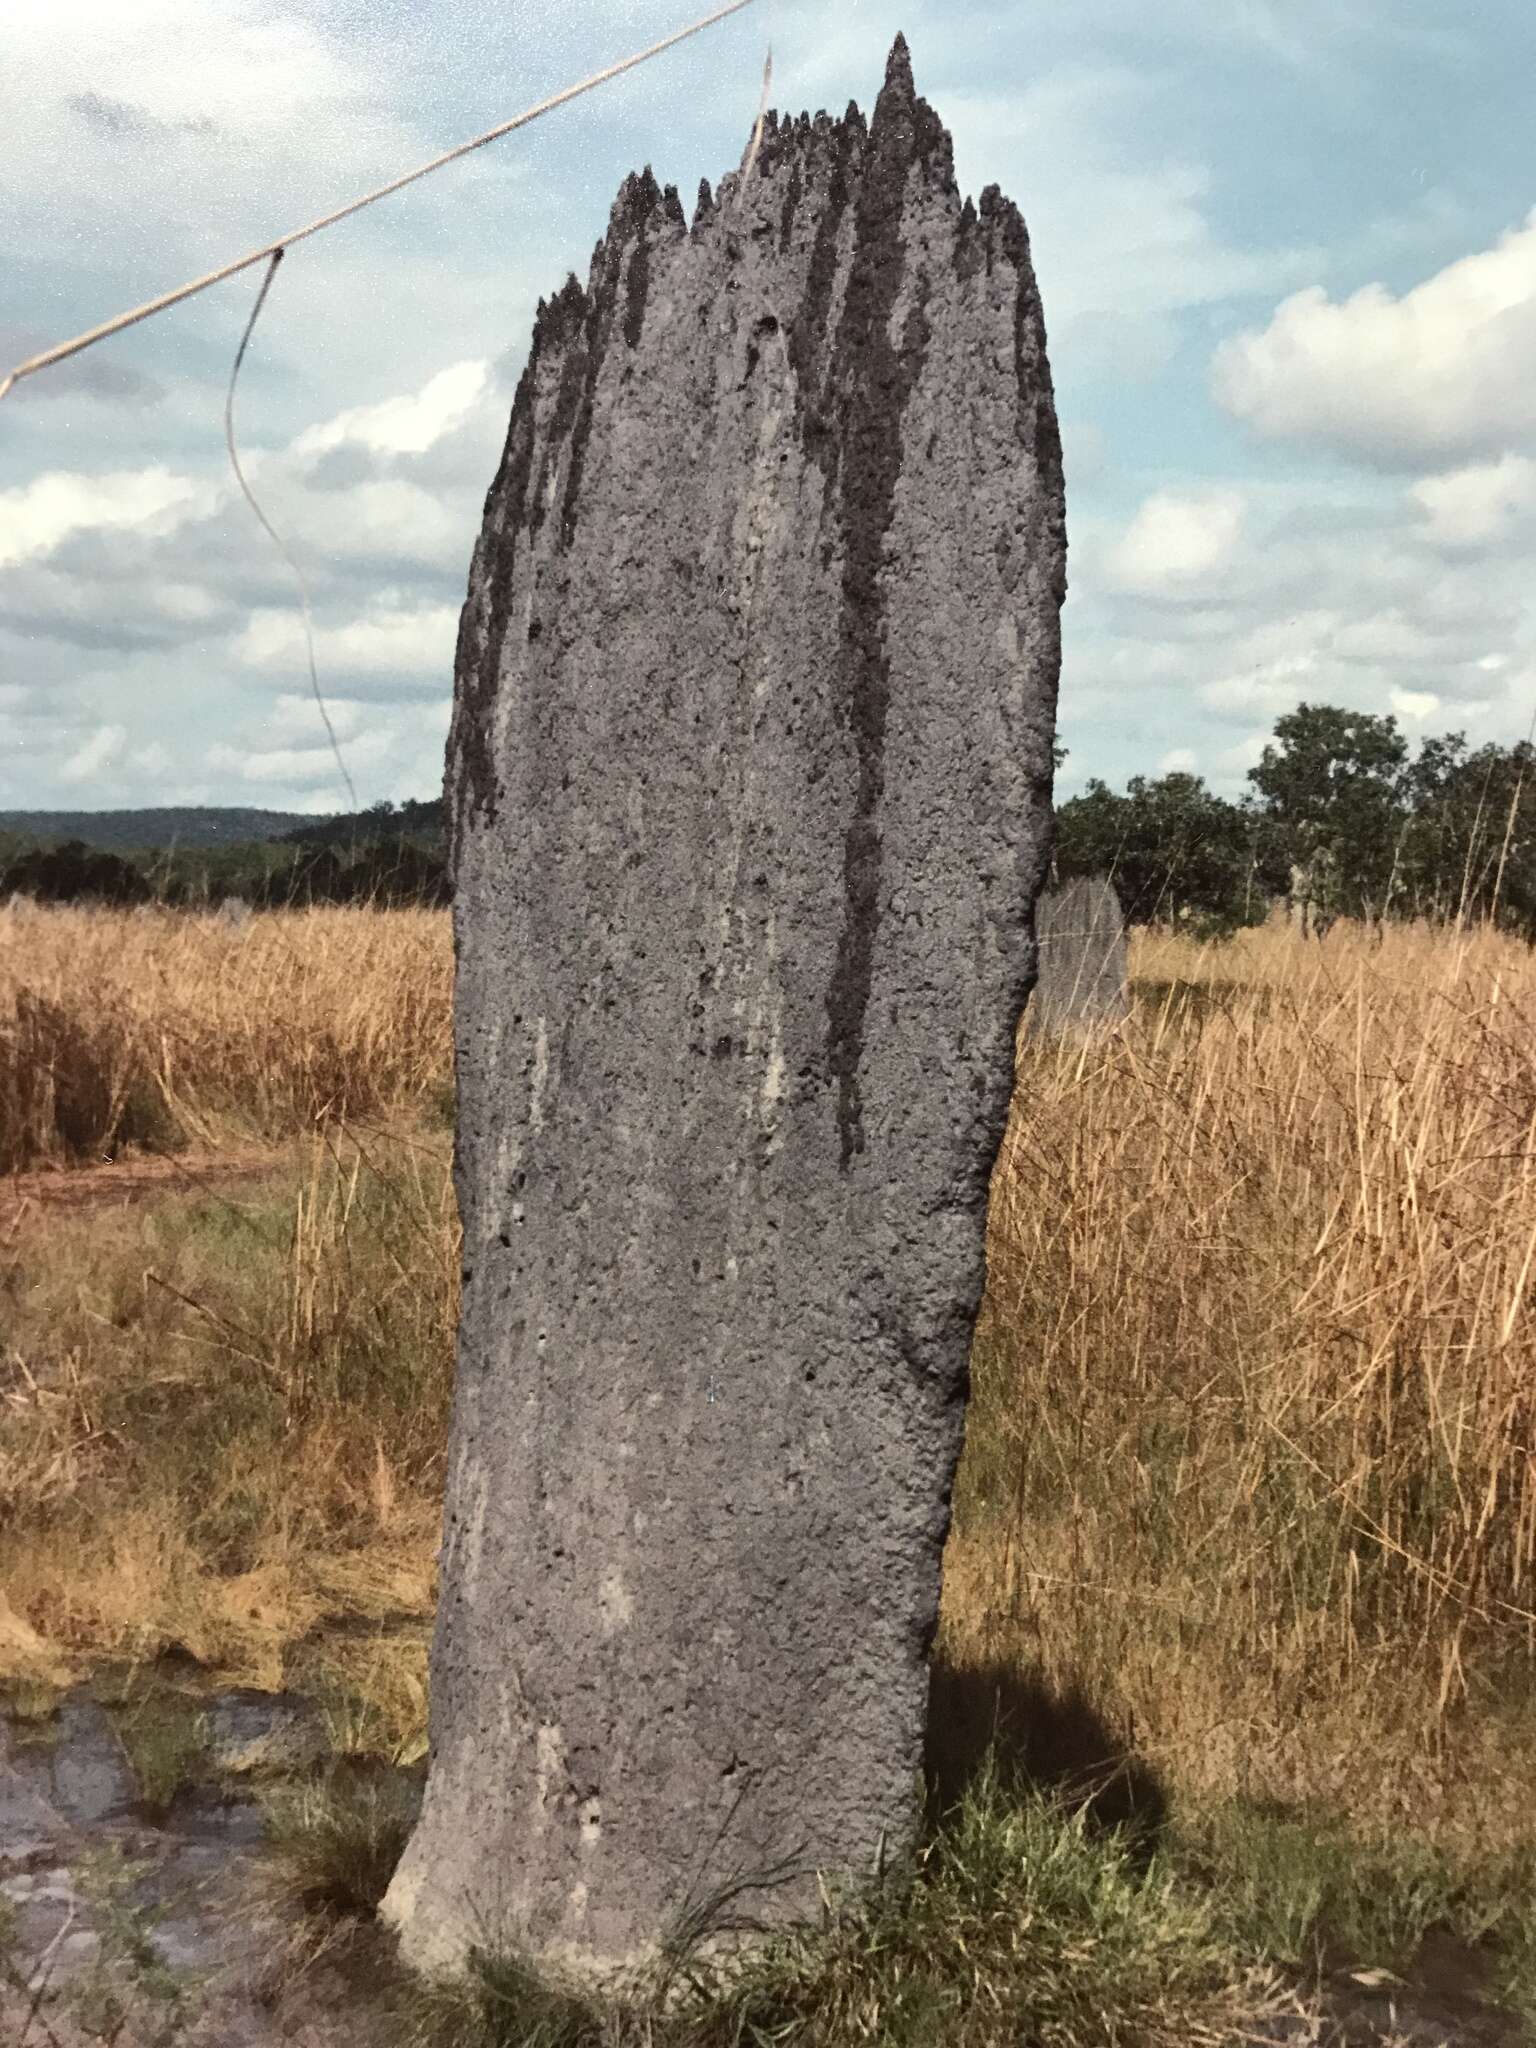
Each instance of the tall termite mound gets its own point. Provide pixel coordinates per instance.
(749, 780)
(1083, 980)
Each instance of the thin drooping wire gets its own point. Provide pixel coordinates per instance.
(273, 252)
(95, 334)
(276, 537)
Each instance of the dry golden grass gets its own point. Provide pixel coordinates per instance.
(1250, 1458)
(1250, 1451)
(159, 1028)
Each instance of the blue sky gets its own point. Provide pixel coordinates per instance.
(1287, 255)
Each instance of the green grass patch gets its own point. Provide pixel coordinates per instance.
(164, 1739)
(1015, 1921)
(1019, 1920)
(1306, 1893)
(340, 1834)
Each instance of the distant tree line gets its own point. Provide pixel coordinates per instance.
(388, 855)
(418, 821)
(1337, 816)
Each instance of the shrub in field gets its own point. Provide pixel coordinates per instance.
(74, 1084)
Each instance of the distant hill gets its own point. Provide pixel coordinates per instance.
(388, 854)
(186, 826)
(192, 829)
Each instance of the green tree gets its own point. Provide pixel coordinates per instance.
(1335, 788)
(1173, 849)
(1470, 848)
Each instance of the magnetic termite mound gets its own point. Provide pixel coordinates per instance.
(1084, 977)
(749, 786)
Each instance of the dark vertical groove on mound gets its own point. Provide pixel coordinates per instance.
(644, 201)
(872, 380)
(808, 323)
(791, 203)
(596, 328)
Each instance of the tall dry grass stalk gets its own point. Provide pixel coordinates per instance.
(1250, 1452)
(162, 1028)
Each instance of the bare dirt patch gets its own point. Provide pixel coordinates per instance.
(30, 1198)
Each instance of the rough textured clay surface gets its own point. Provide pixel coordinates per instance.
(749, 779)
(1083, 974)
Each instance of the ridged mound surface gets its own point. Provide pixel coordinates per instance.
(749, 782)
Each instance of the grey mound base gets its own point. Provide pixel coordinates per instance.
(749, 783)
(1083, 979)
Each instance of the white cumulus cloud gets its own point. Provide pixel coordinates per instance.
(299, 767)
(406, 425)
(1415, 705)
(1438, 376)
(1274, 684)
(97, 756)
(402, 642)
(35, 517)
(1469, 507)
(1177, 542)
(294, 718)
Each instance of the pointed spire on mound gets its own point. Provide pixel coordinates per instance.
(899, 105)
(637, 197)
(898, 71)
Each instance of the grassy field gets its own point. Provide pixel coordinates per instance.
(1250, 1450)
(163, 1029)
(1248, 1500)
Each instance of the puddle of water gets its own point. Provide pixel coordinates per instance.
(88, 1775)
(77, 1765)
(249, 1731)
(79, 1846)
(202, 1817)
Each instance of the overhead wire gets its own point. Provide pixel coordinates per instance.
(65, 349)
(272, 254)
